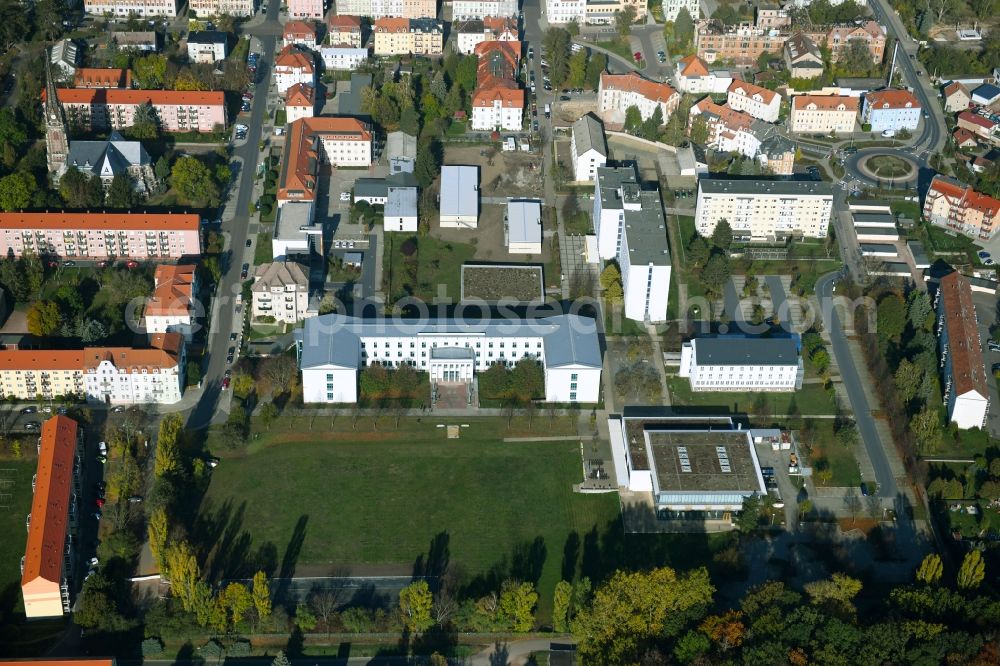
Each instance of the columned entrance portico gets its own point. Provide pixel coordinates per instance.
(452, 370)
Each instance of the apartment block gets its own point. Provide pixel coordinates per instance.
(566, 11)
(101, 236)
(473, 32)
(588, 148)
(300, 102)
(126, 8)
(966, 391)
(891, 110)
(737, 363)
(115, 108)
(91, 77)
(761, 209)
(671, 8)
(403, 36)
(631, 229)
(293, 65)
(823, 114)
(462, 10)
(312, 142)
(306, 9)
(281, 291)
(377, 9)
(742, 44)
(498, 100)
(953, 205)
(205, 8)
(47, 568)
(302, 33)
(694, 77)
(342, 30)
(171, 308)
(617, 92)
(752, 99)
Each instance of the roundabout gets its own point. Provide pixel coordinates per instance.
(888, 166)
(884, 167)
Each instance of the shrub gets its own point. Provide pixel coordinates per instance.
(152, 647)
(239, 649)
(409, 247)
(212, 649)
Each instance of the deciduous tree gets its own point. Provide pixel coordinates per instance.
(972, 571)
(261, 593)
(193, 180)
(16, 191)
(415, 604)
(930, 570)
(624, 20)
(560, 606)
(44, 318)
(516, 606)
(168, 459)
(158, 529)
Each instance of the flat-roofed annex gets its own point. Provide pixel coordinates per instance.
(686, 461)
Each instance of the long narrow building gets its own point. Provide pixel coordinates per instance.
(764, 209)
(966, 392)
(115, 108)
(312, 142)
(47, 567)
(741, 364)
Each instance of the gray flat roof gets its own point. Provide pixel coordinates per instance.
(568, 340)
(700, 462)
(646, 232)
(876, 231)
(401, 144)
(739, 350)
(920, 258)
(371, 187)
(612, 179)
(524, 221)
(349, 103)
(874, 218)
(765, 186)
(459, 190)
(291, 218)
(401, 202)
(878, 247)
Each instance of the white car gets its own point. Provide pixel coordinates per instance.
(888, 133)
(102, 448)
(242, 128)
(345, 196)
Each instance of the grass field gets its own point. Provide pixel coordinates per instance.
(12, 524)
(811, 399)
(380, 498)
(828, 452)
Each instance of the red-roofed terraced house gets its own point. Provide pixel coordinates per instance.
(953, 205)
(966, 392)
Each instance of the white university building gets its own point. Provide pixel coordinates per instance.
(630, 228)
(762, 209)
(332, 350)
(741, 364)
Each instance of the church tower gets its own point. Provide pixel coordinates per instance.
(56, 135)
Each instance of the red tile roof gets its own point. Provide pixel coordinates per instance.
(963, 136)
(892, 99)
(392, 24)
(100, 221)
(294, 58)
(747, 89)
(954, 87)
(976, 119)
(632, 82)
(174, 291)
(92, 77)
(300, 94)
(299, 30)
(730, 117)
(825, 102)
(300, 166)
(343, 23)
(43, 554)
(40, 359)
(99, 96)
(692, 66)
(967, 369)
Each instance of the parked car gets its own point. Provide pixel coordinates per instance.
(864, 489)
(225, 383)
(249, 242)
(994, 346)
(983, 254)
(244, 271)
(102, 448)
(29, 410)
(118, 410)
(345, 196)
(135, 499)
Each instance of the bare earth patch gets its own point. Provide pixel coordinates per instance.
(496, 283)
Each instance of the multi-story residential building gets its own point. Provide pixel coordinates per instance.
(762, 209)
(301, 33)
(566, 11)
(281, 292)
(306, 9)
(377, 9)
(602, 12)
(772, 18)
(742, 364)
(588, 148)
(343, 30)
(115, 108)
(206, 8)
(741, 44)
(171, 308)
(473, 32)
(463, 10)
(293, 65)
(891, 110)
(312, 142)
(728, 129)
(402, 36)
(345, 58)
(823, 114)
(103, 375)
(300, 102)
(966, 388)
(950, 204)
(758, 102)
(91, 77)
(617, 92)
(47, 569)
(101, 236)
(694, 77)
(673, 7)
(207, 46)
(498, 101)
(333, 348)
(126, 8)
(776, 153)
(630, 228)
(956, 97)
(838, 40)
(802, 57)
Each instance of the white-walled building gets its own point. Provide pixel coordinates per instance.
(762, 209)
(301, 9)
(523, 226)
(299, 32)
(631, 229)
(459, 206)
(699, 468)
(752, 99)
(293, 65)
(128, 376)
(822, 114)
(206, 8)
(891, 110)
(694, 77)
(400, 212)
(498, 100)
(313, 142)
(566, 11)
(280, 291)
(343, 57)
(478, 9)
(588, 148)
(741, 364)
(294, 231)
(208, 46)
(300, 102)
(672, 7)
(617, 92)
(171, 308)
(474, 32)
(125, 8)
(966, 391)
(333, 348)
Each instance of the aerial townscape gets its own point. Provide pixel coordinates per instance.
(487, 332)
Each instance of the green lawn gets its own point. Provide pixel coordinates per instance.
(437, 263)
(17, 496)
(810, 399)
(380, 498)
(827, 451)
(262, 253)
(617, 46)
(456, 128)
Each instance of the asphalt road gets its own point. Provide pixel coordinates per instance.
(224, 317)
(852, 379)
